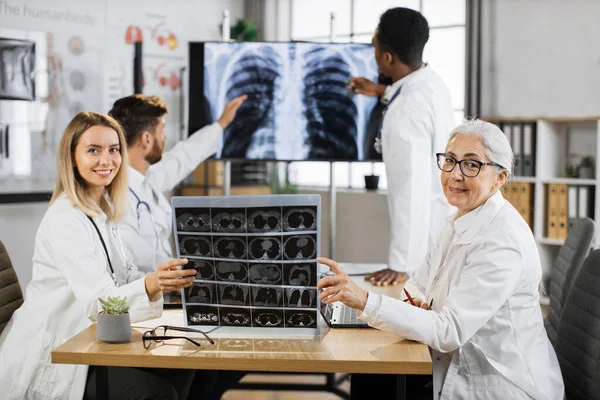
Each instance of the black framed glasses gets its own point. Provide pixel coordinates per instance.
(469, 168)
(159, 334)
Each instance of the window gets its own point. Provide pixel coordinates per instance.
(356, 21)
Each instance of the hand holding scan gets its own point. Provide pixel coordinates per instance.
(340, 287)
(230, 110)
(168, 277)
(367, 87)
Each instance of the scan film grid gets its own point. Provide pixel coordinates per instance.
(255, 259)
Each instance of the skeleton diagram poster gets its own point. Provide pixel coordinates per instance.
(255, 260)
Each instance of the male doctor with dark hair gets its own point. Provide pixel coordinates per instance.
(147, 228)
(417, 120)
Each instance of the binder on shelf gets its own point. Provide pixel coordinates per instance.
(506, 192)
(526, 202)
(528, 160)
(585, 200)
(514, 196)
(551, 215)
(517, 145)
(208, 173)
(572, 203)
(562, 212)
(507, 129)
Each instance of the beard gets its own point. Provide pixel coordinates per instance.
(155, 154)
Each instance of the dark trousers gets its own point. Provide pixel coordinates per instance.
(364, 386)
(160, 383)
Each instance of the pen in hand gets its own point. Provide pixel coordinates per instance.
(409, 297)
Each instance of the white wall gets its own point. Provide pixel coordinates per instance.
(362, 225)
(102, 26)
(541, 58)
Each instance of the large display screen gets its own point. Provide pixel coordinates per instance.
(17, 64)
(297, 107)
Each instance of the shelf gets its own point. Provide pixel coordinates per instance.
(551, 241)
(570, 120)
(525, 179)
(556, 120)
(571, 181)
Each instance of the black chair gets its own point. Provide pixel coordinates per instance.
(567, 263)
(578, 333)
(11, 296)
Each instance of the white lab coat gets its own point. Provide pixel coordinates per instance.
(416, 125)
(70, 272)
(147, 238)
(485, 328)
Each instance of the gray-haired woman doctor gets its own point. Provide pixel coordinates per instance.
(484, 326)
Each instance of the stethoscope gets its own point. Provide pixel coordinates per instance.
(138, 211)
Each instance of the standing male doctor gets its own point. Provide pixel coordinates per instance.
(147, 228)
(417, 121)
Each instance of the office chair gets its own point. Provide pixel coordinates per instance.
(11, 296)
(567, 263)
(578, 333)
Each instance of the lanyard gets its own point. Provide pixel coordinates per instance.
(112, 271)
(377, 144)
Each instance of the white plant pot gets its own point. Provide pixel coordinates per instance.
(113, 328)
(586, 173)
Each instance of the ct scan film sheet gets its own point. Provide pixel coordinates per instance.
(255, 260)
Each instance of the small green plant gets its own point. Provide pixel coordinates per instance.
(587, 162)
(114, 305)
(244, 31)
(572, 165)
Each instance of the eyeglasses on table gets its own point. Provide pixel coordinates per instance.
(159, 334)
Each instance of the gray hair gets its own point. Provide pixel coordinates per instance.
(493, 139)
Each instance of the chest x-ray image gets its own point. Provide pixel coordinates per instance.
(297, 106)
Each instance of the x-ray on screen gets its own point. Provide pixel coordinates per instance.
(297, 108)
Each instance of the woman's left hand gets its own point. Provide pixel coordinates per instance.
(340, 287)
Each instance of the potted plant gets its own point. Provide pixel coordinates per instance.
(244, 31)
(372, 181)
(114, 325)
(586, 167)
(287, 187)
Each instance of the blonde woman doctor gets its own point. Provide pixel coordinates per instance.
(78, 258)
(477, 291)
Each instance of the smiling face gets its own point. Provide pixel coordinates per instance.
(465, 193)
(97, 157)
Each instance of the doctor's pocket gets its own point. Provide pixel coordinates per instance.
(39, 377)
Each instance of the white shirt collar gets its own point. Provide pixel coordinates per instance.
(136, 178)
(472, 223)
(390, 90)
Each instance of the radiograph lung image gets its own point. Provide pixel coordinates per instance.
(297, 106)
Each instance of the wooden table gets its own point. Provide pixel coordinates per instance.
(334, 350)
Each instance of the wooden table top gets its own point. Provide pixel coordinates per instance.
(334, 350)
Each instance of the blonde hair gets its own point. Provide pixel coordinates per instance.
(114, 201)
